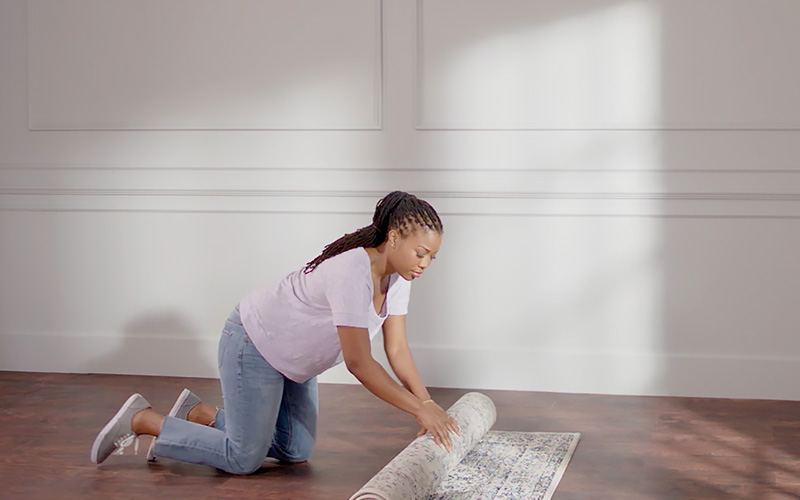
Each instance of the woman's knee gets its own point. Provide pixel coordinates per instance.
(295, 453)
(245, 461)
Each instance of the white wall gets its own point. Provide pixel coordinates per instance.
(618, 180)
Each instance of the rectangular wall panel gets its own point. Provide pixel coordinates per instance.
(204, 64)
(608, 64)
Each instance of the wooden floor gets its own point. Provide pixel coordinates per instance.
(631, 447)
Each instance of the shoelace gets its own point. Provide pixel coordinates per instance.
(124, 441)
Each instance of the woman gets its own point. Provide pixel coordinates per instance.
(277, 340)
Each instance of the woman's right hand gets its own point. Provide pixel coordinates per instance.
(432, 419)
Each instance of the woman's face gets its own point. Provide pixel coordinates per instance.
(410, 256)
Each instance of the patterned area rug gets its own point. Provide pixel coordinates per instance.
(483, 465)
(510, 466)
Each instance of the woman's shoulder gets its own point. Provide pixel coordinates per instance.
(350, 260)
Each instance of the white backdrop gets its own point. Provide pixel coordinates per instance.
(618, 181)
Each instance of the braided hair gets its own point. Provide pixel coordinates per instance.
(398, 210)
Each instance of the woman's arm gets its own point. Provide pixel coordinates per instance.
(395, 344)
(357, 354)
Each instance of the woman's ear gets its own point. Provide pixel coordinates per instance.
(392, 237)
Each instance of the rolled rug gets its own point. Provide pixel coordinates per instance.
(417, 470)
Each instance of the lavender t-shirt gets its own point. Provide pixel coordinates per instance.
(293, 325)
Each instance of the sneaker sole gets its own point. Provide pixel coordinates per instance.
(109, 426)
(184, 395)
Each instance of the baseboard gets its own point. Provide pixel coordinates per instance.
(525, 370)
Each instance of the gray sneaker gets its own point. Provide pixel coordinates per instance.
(183, 405)
(117, 434)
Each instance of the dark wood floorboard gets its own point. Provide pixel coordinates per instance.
(631, 447)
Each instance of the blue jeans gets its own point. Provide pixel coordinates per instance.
(265, 414)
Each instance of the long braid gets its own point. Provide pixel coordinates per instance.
(397, 210)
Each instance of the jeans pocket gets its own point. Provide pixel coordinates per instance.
(224, 341)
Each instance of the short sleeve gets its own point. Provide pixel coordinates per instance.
(398, 296)
(347, 289)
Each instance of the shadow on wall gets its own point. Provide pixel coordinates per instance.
(161, 343)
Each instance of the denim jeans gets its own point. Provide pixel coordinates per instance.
(264, 415)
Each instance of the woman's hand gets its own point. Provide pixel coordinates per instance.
(432, 419)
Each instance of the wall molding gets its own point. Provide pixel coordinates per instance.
(577, 215)
(235, 193)
(465, 192)
(488, 170)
